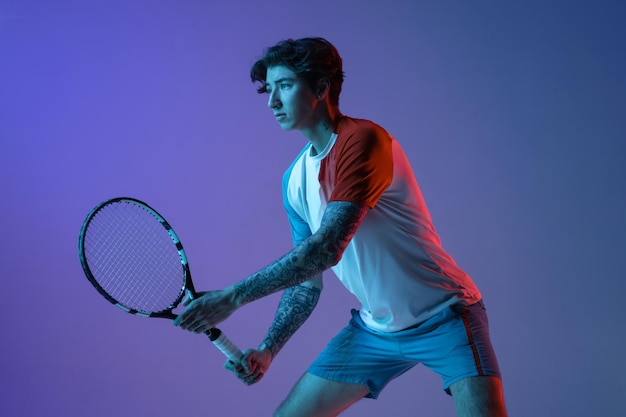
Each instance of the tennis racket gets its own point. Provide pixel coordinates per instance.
(133, 257)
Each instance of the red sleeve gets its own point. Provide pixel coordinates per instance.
(363, 165)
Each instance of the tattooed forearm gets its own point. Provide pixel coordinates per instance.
(311, 257)
(294, 308)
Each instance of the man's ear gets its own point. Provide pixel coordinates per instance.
(322, 88)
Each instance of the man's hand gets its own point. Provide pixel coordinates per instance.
(252, 367)
(206, 311)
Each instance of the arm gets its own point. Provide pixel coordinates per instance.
(309, 258)
(295, 307)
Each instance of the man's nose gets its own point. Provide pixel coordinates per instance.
(273, 102)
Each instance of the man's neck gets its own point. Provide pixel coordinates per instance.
(319, 134)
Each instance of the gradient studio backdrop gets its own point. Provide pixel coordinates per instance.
(512, 115)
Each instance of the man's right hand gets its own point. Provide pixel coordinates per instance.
(253, 366)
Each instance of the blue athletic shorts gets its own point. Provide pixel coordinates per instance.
(454, 343)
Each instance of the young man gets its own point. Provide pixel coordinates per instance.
(355, 206)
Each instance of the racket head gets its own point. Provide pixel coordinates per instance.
(133, 257)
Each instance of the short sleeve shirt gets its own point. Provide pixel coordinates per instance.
(394, 264)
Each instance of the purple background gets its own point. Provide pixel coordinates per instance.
(514, 117)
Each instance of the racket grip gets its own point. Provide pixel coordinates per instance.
(224, 344)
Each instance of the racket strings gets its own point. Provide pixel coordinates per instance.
(141, 265)
(154, 247)
(133, 257)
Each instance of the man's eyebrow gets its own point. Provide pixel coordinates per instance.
(280, 80)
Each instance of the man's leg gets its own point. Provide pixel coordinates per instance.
(318, 397)
(478, 396)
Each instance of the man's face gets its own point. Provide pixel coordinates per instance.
(290, 98)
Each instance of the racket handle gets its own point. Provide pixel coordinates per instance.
(224, 344)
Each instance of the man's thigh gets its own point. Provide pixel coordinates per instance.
(478, 396)
(319, 397)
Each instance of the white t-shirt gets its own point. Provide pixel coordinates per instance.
(394, 264)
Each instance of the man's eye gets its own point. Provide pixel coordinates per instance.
(285, 86)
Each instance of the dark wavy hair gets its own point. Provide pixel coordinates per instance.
(310, 58)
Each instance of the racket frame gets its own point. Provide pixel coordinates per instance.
(187, 284)
(219, 339)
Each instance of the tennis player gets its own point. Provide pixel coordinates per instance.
(355, 207)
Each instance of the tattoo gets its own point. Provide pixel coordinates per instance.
(294, 309)
(310, 257)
